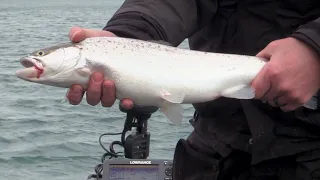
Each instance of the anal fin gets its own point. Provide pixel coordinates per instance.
(174, 112)
(239, 92)
(173, 96)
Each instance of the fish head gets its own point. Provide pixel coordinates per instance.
(51, 66)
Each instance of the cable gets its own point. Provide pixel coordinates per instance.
(111, 153)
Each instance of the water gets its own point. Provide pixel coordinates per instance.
(41, 137)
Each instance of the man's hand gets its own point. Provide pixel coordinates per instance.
(99, 89)
(291, 76)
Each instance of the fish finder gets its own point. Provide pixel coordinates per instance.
(134, 165)
(137, 169)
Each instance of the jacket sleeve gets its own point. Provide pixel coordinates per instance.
(167, 20)
(310, 34)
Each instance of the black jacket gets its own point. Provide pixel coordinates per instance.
(234, 26)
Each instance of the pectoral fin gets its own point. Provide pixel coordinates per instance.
(239, 92)
(64, 100)
(84, 71)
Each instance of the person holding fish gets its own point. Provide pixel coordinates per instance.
(270, 137)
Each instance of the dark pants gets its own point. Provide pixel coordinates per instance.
(193, 160)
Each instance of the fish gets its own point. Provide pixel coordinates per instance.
(149, 73)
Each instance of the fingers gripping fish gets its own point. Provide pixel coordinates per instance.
(149, 73)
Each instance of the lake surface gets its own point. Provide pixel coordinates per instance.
(41, 136)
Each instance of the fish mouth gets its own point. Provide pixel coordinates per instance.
(33, 68)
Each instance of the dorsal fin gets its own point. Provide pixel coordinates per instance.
(161, 42)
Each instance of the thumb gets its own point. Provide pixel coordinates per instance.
(78, 34)
(267, 51)
(261, 83)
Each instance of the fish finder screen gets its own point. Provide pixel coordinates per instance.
(133, 172)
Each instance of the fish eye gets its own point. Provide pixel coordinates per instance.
(40, 53)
